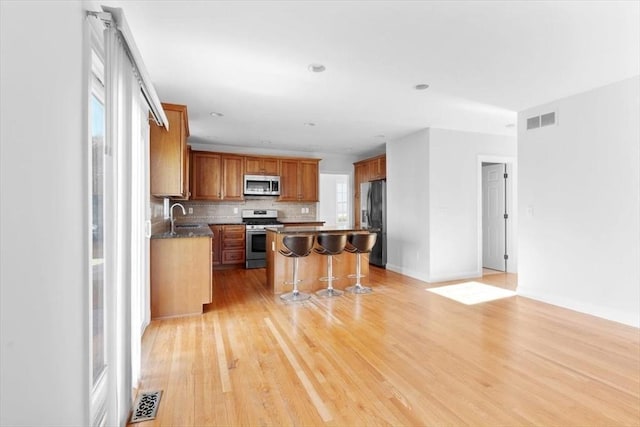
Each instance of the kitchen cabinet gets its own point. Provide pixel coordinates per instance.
(377, 168)
(364, 171)
(181, 279)
(233, 244)
(216, 245)
(216, 176)
(228, 245)
(168, 154)
(360, 175)
(299, 180)
(261, 166)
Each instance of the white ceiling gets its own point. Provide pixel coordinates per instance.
(483, 60)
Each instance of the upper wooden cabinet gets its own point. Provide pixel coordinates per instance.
(261, 166)
(168, 155)
(216, 176)
(299, 180)
(377, 168)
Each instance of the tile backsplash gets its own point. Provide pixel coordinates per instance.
(211, 212)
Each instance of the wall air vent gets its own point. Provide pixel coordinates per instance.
(546, 119)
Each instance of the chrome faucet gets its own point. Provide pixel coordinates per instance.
(172, 218)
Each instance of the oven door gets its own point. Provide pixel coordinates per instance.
(256, 256)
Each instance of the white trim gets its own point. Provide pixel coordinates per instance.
(628, 318)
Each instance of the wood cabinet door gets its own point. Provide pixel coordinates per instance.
(233, 178)
(308, 181)
(216, 247)
(206, 172)
(260, 166)
(167, 154)
(377, 168)
(270, 166)
(360, 175)
(289, 181)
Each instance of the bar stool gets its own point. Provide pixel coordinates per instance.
(296, 246)
(330, 245)
(359, 243)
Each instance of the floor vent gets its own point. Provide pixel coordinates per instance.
(146, 406)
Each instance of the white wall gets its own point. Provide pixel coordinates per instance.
(43, 250)
(454, 194)
(433, 191)
(580, 203)
(408, 205)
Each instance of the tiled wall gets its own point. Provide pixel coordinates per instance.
(158, 223)
(212, 212)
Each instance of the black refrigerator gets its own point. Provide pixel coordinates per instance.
(373, 215)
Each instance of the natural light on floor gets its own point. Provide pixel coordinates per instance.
(470, 293)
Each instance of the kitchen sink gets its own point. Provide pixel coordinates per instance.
(189, 226)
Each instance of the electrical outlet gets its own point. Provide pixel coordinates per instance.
(235, 210)
(165, 207)
(301, 210)
(190, 211)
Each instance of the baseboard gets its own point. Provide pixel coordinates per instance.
(626, 318)
(433, 279)
(450, 277)
(407, 272)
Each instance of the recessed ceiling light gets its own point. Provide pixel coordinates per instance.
(316, 68)
(422, 86)
(216, 114)
(309, 124)
(380, 136)
(265, 142)
(510, 125)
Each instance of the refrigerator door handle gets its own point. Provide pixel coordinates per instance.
(369, 206)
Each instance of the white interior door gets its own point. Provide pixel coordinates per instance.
(493, 221)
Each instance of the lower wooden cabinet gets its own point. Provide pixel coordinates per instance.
(181, 279)
(229, 243)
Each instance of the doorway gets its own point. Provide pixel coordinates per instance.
(335, 207)
(497, 215)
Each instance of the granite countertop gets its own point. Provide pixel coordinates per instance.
(316, 230)
(186, 230)
(301, 221)
(226, 222)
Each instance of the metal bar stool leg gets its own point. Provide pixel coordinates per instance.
(360, 243)
(358, 288)
(330, 245)
(329, 291)
(295, 295)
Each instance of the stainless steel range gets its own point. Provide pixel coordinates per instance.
(256, 221)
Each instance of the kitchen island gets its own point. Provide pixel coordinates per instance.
(312, 267)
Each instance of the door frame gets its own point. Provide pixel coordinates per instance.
(512, 209)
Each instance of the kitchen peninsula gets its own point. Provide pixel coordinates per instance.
(312, 267)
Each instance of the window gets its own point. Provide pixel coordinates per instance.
(342, 204)
(97, 215)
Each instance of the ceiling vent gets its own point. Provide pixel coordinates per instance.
(542, 120)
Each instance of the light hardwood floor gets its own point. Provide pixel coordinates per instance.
(399, 356)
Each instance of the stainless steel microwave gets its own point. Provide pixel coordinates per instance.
(261, 185)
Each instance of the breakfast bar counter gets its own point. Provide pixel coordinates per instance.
(312, 267)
